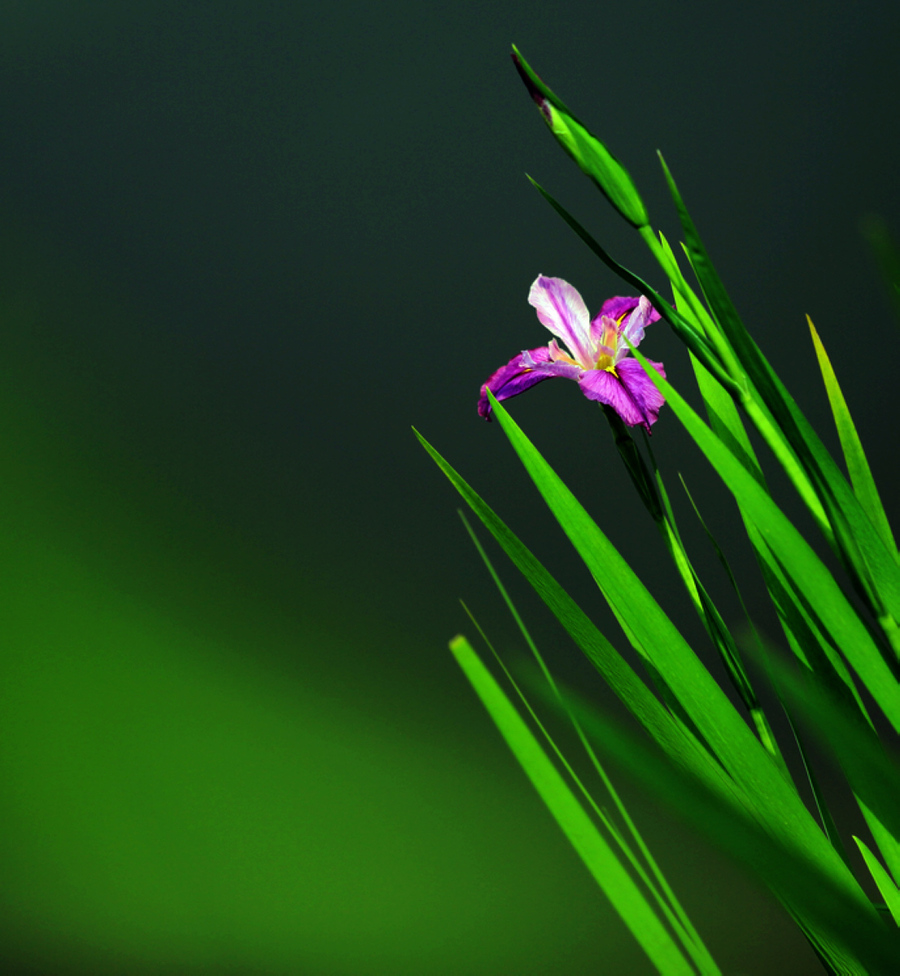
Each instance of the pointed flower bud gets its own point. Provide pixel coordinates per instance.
(591, 155)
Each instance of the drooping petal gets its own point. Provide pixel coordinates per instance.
(521, 373)
(641, 389)
(605, 387)
(629, 391)
(562, 310)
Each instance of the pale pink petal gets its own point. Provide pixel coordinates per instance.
(604, 336)
(562, 310)
(557, 354)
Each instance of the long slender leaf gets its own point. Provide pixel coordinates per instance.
(676, 737)
(599, 858)
(678, 743)
(820, 483)
(886, 842)
(873, 775)
(810, 644)
(651, 875)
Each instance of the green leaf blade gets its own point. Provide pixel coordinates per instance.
(597, 855)
(773, 800)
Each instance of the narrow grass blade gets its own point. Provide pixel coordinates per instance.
(599, 858)
(731, 658)
(854, 455)
(650, 876)
(798, 448)
(886, 842)
(873, 775)
(824, 811)
(725, 420)
(811, 646)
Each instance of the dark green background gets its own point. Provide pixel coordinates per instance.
(243, 247)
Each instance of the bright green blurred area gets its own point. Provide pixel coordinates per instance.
(172, 804)
(209, 763)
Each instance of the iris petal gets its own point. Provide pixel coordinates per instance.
(561, 309)
(641, 388)
(617, 307)
(605, 387)
(629, 391)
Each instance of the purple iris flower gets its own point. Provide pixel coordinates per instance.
(595, 353)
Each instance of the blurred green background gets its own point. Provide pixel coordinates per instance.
(243, 247)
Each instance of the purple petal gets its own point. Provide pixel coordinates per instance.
(632, 395)
(520, 374)
(618, 307)
(603, 386)
(515, 377)
(641, 388)
(562, 310)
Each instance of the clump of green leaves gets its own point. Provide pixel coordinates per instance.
(718, 764)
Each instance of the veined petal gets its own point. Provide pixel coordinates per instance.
(641, 388)
(605, 387)
(521, 373)
(631, 393)
(562, 310)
